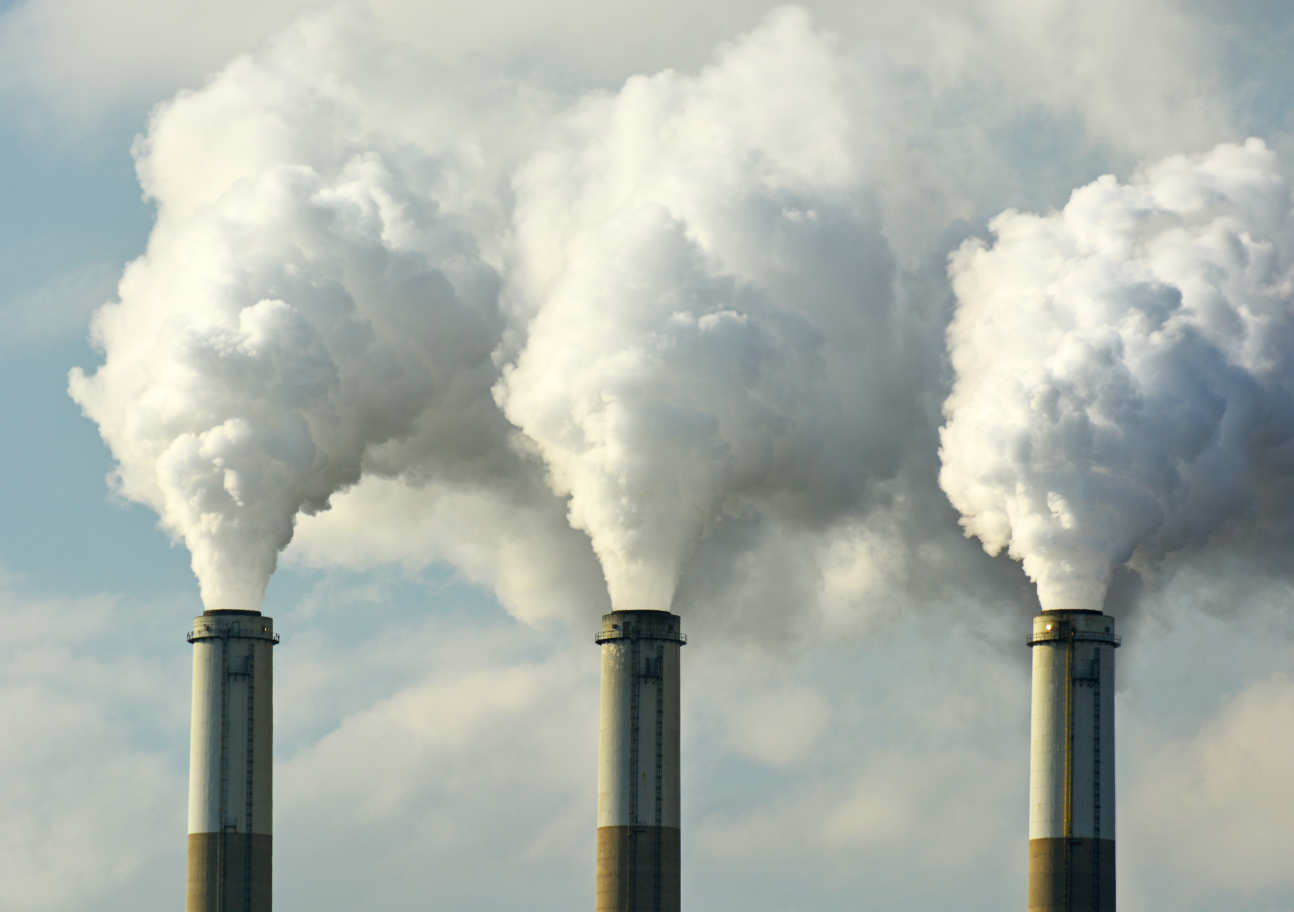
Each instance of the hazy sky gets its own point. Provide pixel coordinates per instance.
(653, 304)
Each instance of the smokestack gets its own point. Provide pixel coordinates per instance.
(230, 761)
(1071, 763)
(638, 763)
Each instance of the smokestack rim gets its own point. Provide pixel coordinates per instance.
(229, 625)
(643, 624)
(1077, 624)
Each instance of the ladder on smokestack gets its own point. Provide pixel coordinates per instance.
(660, 771)
(251, 766)
(631, 831)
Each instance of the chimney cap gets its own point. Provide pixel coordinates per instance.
(641, 625)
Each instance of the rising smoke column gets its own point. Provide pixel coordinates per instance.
(313, 304)
(1125, 371)
(711, 333)
(677, 296)
(677, 299)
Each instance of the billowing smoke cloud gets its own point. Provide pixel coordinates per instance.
(715, 335)
(312, 305)
(693, 316)
(679, 294)
(1125, 371)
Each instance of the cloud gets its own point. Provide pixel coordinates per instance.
(879, 799)
(780, 726)
(483, 751)
(1138, 76)
(94, 745)
(143, 50)
(60, 307)
(1206, 808)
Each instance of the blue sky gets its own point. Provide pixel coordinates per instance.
(855, 685)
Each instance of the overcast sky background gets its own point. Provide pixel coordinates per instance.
(855, 683)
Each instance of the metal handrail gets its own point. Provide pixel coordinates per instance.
(209, 633)
(602, 636)
(1060, 636)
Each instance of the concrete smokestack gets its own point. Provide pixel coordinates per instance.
(230, 762)
(638, 763)
(1071, 763)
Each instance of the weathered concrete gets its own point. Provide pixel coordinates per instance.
(229, 872)
(638, 869)
(1071, 875)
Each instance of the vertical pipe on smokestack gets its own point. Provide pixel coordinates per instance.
(1071, 763)
(230, 762)
(638, 846)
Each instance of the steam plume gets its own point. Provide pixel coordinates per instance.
(714, 333)
(309, 295)
(684, 302)
(690, 316)
(1125, 371)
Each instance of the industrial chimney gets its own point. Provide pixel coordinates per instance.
(1071, 763)
(230, 761)
(638, 763)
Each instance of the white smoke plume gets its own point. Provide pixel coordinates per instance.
(694, 316)
(712, 333)
(679, 293)
(313, 304)
(1125, 371)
